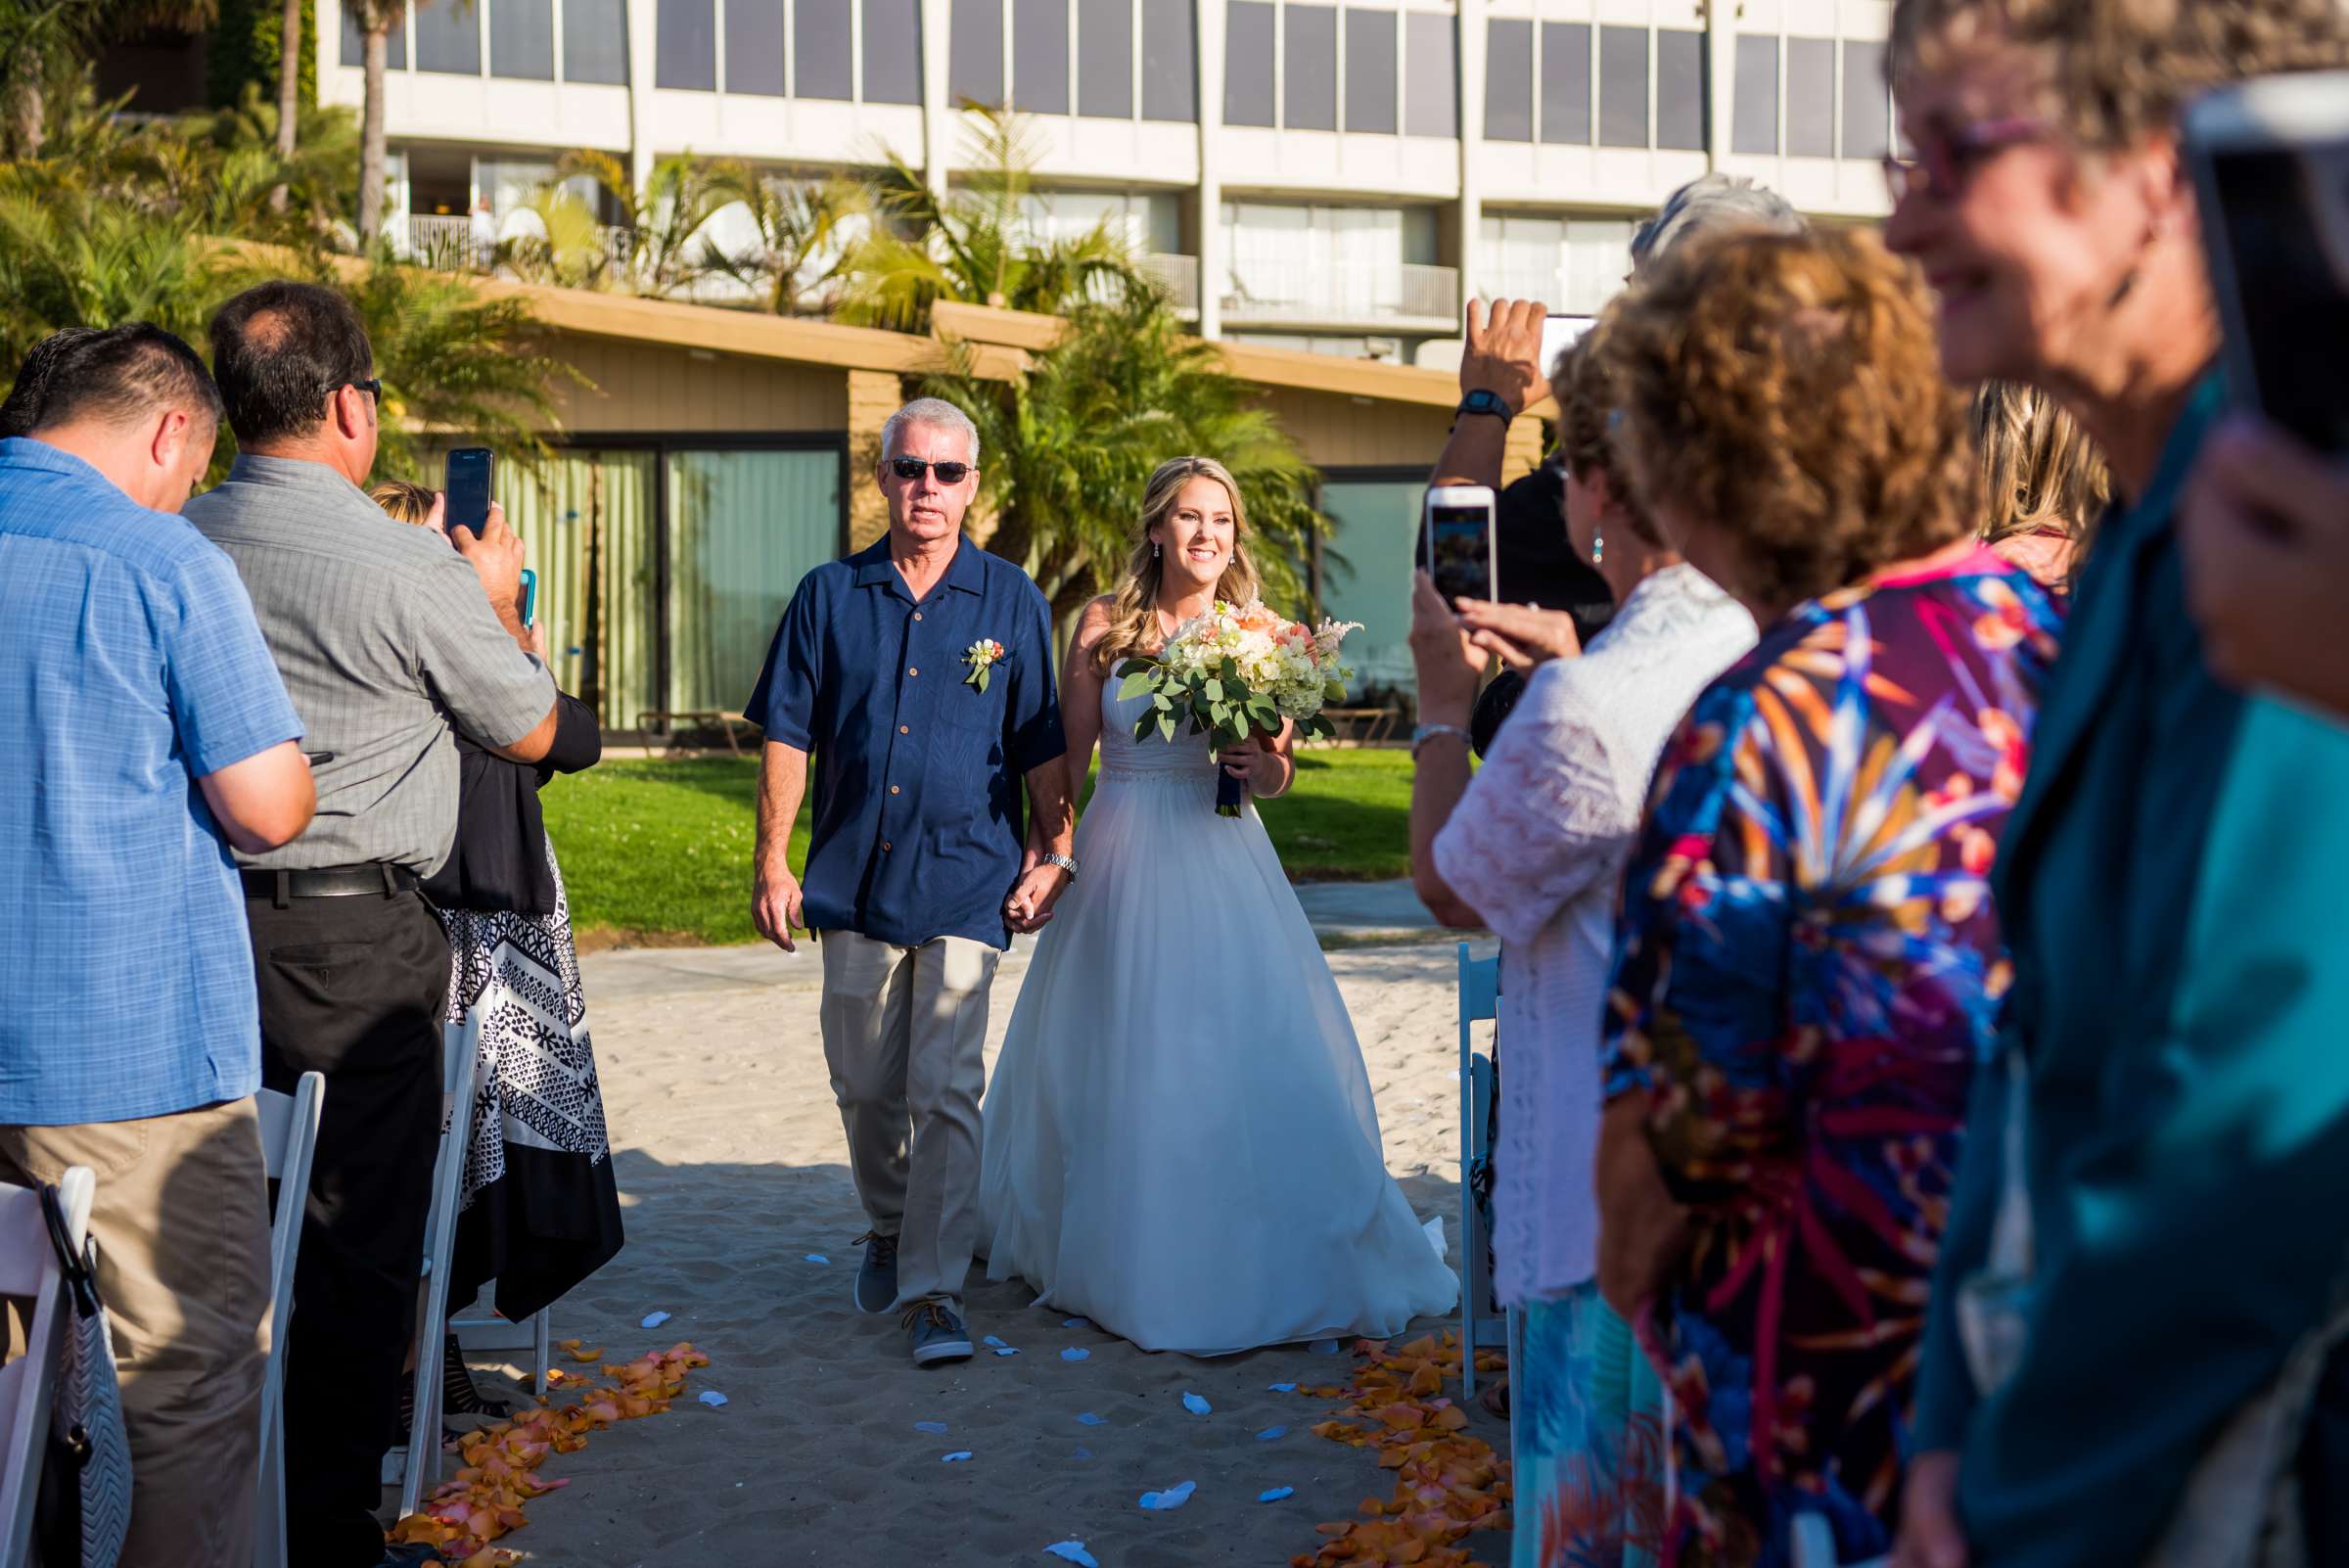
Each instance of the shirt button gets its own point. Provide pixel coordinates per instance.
(910, 670)
(893, 789)
(904, 730)
(885, 845)
(917, 614)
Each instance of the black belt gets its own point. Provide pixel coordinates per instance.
(329, 881)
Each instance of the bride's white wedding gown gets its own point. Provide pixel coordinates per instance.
(1180, 1142)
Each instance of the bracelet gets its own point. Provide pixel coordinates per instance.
(1427, 732)
(1065, 862)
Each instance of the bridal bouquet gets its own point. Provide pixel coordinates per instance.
(1236, 671)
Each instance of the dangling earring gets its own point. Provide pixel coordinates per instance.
(1598, 547)
(1154, 550)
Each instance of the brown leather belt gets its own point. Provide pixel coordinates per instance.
(328, 882)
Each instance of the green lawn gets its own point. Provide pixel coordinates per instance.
(665, 846)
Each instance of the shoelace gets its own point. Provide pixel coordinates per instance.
(884, 1247)
(929, 1313)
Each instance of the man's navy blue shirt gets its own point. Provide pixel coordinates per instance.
(918, 821)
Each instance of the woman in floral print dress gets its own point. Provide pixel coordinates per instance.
(1807, 959)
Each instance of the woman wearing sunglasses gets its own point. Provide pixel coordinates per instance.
(2172, 1035)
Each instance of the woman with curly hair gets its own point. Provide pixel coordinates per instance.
(1806, 962)
(2172, 892)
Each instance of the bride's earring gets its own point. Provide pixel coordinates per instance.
(1598, 547)
(1154, 550)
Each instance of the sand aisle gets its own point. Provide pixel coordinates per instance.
(730, 1168)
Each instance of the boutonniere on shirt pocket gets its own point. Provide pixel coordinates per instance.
(983, 656)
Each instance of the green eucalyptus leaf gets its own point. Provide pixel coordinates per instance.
(1134, 684)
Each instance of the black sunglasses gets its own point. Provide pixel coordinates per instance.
(372, 387)
(912, 468)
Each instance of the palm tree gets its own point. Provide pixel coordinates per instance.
(808, 232)
(974, 245)
(669, 251)
(376, 19)
(1069, 447)
(288, 79)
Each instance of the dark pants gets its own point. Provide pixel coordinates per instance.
(352, 988)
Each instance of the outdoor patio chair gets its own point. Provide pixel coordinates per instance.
(420, 1460)
(495, 1333)
(1480, 1001)
(30, 1267)
(288, 1138)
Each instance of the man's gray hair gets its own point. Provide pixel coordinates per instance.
(935, 412)
(1710, 203)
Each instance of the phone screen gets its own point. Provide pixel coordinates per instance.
(2285, 215)
(468, 487)
(1456, 551)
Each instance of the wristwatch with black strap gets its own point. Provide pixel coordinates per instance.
(1484, 400)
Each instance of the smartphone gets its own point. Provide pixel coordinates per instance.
(1455, 542)
(2271, 168)
(530, 598)
(467, 484)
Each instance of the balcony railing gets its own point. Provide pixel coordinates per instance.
(1370, 294)
(446, 242)
(1179, 275)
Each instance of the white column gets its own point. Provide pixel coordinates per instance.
(1209, 42)
(938, 112)
(641, 44)
(1467, 240)
(1721, 58)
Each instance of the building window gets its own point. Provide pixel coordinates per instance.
(1248, 90)
(1622, 86)
(1866, 101)
(1430, 100)
(1566, 82)
(974, 59)
(595, 42)
(1105, 59)
(1169, 63)
(354, 47)
(754, 47)
(1811, 97)
(1040, 56)
(744, 527)
(1371, 70)
(522, 39)
(685, 46)
(1366, 573)
(1309, 67)
(1754, 111)
(1680, 90)
(448, 38)
(823, 49)
(1509, 80)
(892, 52)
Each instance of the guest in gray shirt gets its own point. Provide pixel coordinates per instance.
(391, 639)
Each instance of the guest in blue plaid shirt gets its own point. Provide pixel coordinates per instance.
(151, 732)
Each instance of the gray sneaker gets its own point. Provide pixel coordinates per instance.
(935, 1334)
(877, 1275)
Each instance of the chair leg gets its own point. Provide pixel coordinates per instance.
(542, 1329)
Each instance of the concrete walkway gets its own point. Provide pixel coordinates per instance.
(1344, 915)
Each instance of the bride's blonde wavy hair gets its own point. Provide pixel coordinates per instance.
(1133, 611)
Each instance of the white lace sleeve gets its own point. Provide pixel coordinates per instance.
(1545, 817)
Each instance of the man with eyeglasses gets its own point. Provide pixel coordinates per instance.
(391, 639)
(918, 675)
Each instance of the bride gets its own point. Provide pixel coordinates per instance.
(1180, 1142)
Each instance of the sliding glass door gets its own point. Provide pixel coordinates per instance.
(743, 529)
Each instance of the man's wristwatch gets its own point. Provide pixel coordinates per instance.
(1484, 400)
(1066, 862)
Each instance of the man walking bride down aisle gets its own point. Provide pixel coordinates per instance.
(1182, 1143)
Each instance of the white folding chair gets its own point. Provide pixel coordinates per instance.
(413, 1465)
(289, 1140)
(1480, 1001)
(30, 1267)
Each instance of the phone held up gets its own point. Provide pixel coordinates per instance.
(467, 487)
(2271, 166)
(1455, 542)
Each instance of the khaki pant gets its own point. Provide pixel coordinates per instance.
(905, 1029)
(182, 1221)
